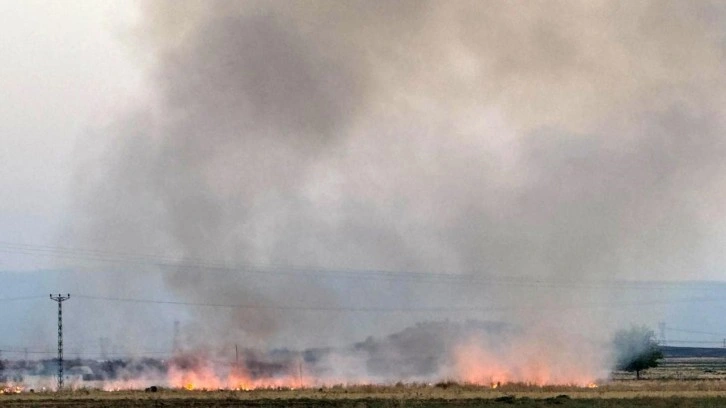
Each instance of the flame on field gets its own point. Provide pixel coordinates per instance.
(211, 379)
(533, 362)
(201, 373)
(482, 359)
(11, 389)
(471, 363)
(484, 354)
(486, 362)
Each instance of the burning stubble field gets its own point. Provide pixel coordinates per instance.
(684, 377)
(678, 382)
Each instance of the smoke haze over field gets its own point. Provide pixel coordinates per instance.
(540, 143)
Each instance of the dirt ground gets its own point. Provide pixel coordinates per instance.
(649, 393)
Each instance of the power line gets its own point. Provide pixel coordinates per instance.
(3, 350)
(177, 264)
(269, 270)
(279, 307)
(45, 352)
(191, 263)
(422, 309)
(695, 332)
(21, 298)
(394, 309)
(694, 342)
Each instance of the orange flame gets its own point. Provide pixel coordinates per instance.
(529, 359)
(11, 389)
(199, 373)
(523, 362)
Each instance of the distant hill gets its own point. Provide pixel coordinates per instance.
(684, 352)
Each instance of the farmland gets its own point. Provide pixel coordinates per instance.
(679, 381)
(616, 395)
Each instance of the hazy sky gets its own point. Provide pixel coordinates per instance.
(67, 68)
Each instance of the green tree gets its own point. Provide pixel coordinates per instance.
(636, 349)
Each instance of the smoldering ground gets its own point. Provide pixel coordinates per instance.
(536, 146)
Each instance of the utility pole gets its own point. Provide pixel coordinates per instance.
(60, 299)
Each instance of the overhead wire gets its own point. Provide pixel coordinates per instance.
(693, 342)
(13, 299)
(674, 329)
(86, 354)
(394, 309)
(177, 264)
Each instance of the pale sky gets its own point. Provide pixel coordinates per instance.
(67, 69)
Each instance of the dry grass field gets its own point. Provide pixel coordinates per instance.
(414, 397)
(677, 383)
(646, 393)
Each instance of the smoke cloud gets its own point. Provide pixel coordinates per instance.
(518, 142)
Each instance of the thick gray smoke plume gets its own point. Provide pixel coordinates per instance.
(544, 141)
